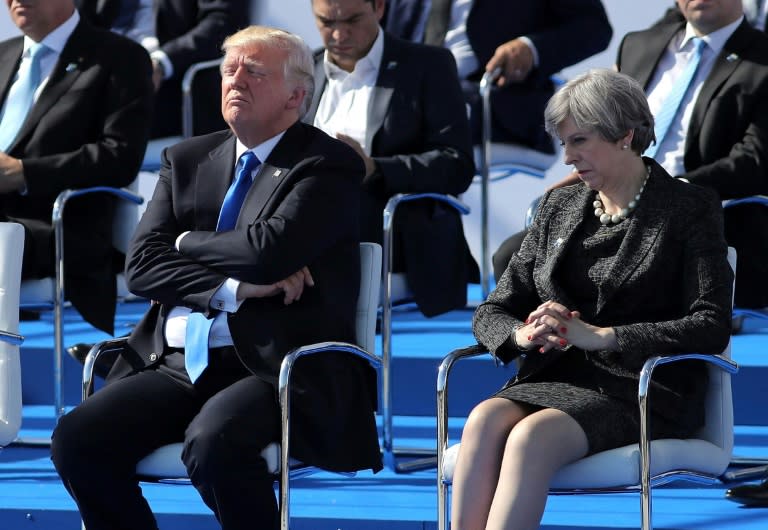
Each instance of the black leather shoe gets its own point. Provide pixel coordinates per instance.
(750, 494)
(103, 363)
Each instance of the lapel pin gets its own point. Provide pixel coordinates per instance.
(732, 57)
(70, 67)
(391, 65)
(558, 241)
(277, 173)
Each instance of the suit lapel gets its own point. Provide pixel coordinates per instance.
(386, 82)
(9, 64)
(562, 226)
(725, 63)
(645, 225)
(210, 189)
(644, 59)
(74, 58)
(272, 173)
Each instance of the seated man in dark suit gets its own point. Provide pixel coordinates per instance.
(399, 105)
(530, 40)
(176, 33)
(250, 278)
(83, 123)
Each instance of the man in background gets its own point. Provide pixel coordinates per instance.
(528, 40)
(399, 105)
(177, 34)
(75, 107)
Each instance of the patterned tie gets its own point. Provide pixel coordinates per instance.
(21, 96)
(671, 105)
(198, 325)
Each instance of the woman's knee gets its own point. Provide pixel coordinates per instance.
(494, 418)
(548, 435)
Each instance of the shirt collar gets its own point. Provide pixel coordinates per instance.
(370, 62)
(715, 40)
(262, 151)
(57, 38)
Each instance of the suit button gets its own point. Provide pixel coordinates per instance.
(153, 357)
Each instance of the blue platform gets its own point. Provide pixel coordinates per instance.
(31, 495)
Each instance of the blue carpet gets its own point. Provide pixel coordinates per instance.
(31, 495)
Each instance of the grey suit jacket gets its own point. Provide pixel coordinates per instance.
(669, 290)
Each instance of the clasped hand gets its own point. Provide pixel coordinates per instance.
(554, 326)
(292, 287)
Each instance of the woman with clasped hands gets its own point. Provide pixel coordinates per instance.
(626, 264)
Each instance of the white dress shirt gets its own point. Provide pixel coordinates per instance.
(224, 299)
(343, 107)
(671, 65)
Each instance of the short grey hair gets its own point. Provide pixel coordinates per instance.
(606, 102)
(299, 67)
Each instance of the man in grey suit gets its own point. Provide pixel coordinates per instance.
(400, 106)
(87, 127)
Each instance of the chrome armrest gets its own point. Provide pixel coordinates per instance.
(98, 349)
(643, 398)
(14, 339)
(754, 199)
(286, 368)
(442, 395)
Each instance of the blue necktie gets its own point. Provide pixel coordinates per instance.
(198, 326)
(21, 97)
(671, 105)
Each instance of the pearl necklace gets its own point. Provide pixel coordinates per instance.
(606, 218)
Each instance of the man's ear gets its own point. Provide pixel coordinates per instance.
(296, 98)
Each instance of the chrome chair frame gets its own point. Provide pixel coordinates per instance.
(58, 301)
(288, 468)
(486, 162)
(390, 452)
(645, 480)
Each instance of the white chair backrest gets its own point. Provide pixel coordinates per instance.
(368, 300)
(718, 423)
(11, 250)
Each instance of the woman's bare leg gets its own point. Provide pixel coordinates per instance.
(483, 443)
(536, 448)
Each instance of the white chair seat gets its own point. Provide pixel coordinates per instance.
(165, 462)
(38, 291)
(599, 471)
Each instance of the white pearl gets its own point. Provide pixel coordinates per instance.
(597, 204)
(632, 204)
(605, 218)
(615, 218)
(599, 211)
(625, 212)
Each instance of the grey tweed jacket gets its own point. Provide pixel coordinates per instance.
(669, 289)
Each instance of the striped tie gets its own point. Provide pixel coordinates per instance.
(671, 105)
